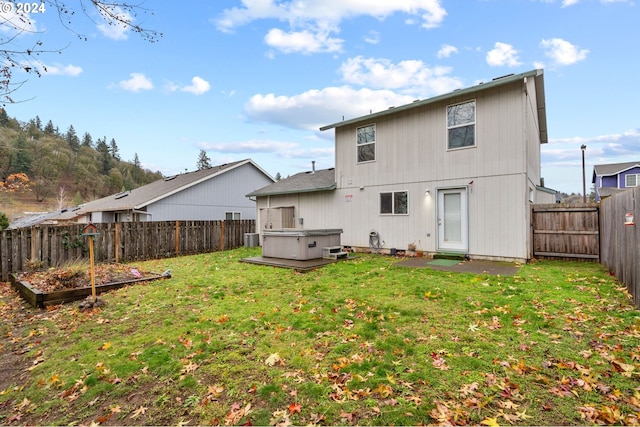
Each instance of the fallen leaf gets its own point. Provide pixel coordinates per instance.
(140, 411)
(294, 408)
(492, 422)
(273, 359)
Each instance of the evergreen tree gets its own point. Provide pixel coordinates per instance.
(4, 221)
(77, 199)
(32, 129)
(87, 141)
(113, 147)
(278, 177)
(38, 123)
(4, 119)
(49, 129)
(72, 139)
(204, 162)
(21, 162)
(104, 156)
(136, 161)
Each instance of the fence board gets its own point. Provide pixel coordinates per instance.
(51, 246)
(566, 231)
(621, 242)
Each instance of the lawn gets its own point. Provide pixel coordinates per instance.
(359, 342)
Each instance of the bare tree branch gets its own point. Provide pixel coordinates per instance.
(16, 22)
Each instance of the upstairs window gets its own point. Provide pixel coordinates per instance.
(395, 203)
(632, 180)
(366, 143)
(461, 125)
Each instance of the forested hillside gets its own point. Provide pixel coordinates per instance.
(63, 168)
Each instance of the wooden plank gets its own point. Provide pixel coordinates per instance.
(569, 232)
(5, 255)
(566, 255)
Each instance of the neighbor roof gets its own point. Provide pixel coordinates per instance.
(537, 74)
(142, 196)
(303, 182)
(613, 168)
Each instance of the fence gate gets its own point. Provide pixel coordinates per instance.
(566, 231)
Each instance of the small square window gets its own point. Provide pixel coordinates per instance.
(394, 203)
(230, 216)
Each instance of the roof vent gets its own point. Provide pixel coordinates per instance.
(169, 178)
(121, 195)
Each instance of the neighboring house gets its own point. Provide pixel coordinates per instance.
(454, 173)
(216, 193)
(612, 178)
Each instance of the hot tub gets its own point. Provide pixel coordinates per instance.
(298, 244)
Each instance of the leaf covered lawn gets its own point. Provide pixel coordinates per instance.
(359, 342)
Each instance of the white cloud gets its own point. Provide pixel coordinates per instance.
(282, 149)
(503, 54)
(15, 24)
(302, 41)
(198, 86)
(63, 70)
(136, 83)
(446, 51)
(111, 28)
(315, 108)
(561, 158)
(312, 22)
(568, 3)
(431, 12)
(562, 52)
(411, 76)
(372, 38)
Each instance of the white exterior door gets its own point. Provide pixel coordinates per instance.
(453, 220)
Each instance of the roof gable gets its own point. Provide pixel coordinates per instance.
(143, 196)
(614, 168)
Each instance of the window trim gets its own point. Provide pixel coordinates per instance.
(474, 123)
(393, 203)
(358, 145)
(637, 177)
(233, 213)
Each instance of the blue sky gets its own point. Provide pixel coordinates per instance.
(257, 78)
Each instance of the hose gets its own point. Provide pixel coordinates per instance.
(374, 242)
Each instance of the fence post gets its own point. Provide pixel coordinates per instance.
(177, 237)
(116, 243)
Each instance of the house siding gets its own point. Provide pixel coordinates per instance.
(211, 199)
(622, 176)
(499, 177)
(412, 155)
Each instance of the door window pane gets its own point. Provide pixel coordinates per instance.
(452, 217)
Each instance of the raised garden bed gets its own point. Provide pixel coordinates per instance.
(57, 286)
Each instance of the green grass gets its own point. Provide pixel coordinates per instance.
(357, 342)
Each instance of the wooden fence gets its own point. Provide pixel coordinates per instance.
(566, 231)
(50, 246)
(620, 241)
